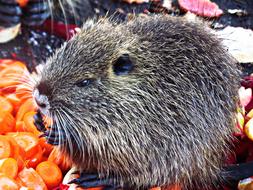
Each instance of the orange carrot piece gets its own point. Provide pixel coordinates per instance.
(175, 187)
(155, 188)
(97, 188)
(29, 123)
(5, 105)
(47, 148)
(4, 63)
(32, 179)
(7, 122)
(20, 126)
(9, 167)
(27, 141)
(36, 159)
(50, 173)
(62, 161)
(13, 99)
(22, 3)
(7, 183)
(27, 106)
(17, 152)
(23, 92)
(55, 157)
(11, 76)
(5, 147)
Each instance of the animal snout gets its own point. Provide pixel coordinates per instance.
(40, 103)
(43, 88)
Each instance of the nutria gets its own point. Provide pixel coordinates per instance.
(146, 103)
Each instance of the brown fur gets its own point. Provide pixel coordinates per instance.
(168, 121)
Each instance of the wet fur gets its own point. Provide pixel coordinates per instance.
(168, 121)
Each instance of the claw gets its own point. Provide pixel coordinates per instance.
(10, 9)
(36, 12)
(10, 13)
(35, 19)
(89, 180)
(37, 7)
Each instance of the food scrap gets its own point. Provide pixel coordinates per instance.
(25, 159)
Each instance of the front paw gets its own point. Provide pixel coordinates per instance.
(91, 180)
(36, 12)
(10, 13)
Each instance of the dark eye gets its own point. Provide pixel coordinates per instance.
(123, 65)
(84, 82)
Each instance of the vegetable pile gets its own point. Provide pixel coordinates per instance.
(25, 159)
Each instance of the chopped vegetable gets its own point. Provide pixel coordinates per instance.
(31, 179)
(9, 167)
(5, 147)
(50, 173)
(7, 183)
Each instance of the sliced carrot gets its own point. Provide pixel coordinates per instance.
(13, 99)
(4, 63)
(31, 179)
(9, 167)
(50, 173)
(98, 188)
(17, 152)
(11, 76)
(47, 148)
(18, 64)
(61, 160)
(155, 188)
(20, 126)
(29, 123)
(27, 106)
(7, 90)
(9, 62)
(22, 3)
(5, 105)
(55, 157)
(23, 92)
(175, 187)
(7, 183)
(5, 147)
(19, 182)
(36, 159)
(26, 140)
(7, 122)
(13, 70)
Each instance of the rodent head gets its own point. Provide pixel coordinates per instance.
(89, 88)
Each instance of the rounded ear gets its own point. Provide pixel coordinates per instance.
(123, 65)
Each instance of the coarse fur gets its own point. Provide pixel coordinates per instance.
(170, 120)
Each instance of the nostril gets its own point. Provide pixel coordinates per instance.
(43, 88)
(40, 104)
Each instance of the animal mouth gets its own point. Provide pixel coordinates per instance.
(53, 134)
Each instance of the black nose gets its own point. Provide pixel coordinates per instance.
(44, 88)
(40, 103)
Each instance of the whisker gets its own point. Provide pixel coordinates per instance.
(77, 135)
(65, 128)
(65, 17)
